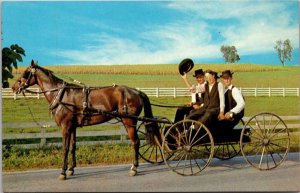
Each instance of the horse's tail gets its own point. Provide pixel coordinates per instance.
(147, 106)
(151, 127)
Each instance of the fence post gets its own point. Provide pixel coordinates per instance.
(15, 96)
(269, 91)
(297, 91)
(255, 92)
(157, 92)
(283, 94)
(43, 136)
(38, 94)
(122, 137)
(174, 92)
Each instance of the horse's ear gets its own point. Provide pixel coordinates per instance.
(33, 64)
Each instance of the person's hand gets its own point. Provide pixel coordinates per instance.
(196, 106)
(227, 115)
(189, 104)
(221, 116)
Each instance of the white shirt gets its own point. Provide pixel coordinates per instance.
(197, 89)
(238, 97)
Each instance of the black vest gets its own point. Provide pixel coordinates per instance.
(211, 99)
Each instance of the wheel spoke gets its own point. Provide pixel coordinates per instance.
(261, 158)
(271, 153)
(276, 152)
(278, 132)
(197, 132)
(146, 150)
(199, 139)
(178, 161)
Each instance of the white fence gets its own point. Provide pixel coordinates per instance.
(179, 92)
(120, 134)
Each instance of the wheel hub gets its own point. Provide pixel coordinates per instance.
(188, 148)
(265, 141)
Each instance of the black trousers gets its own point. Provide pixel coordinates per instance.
(182, 112)
(204, 115)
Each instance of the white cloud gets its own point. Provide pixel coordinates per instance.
(255, 28)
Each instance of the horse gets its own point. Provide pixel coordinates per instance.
(75, 106)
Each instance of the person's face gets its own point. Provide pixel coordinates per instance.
(200, 79)
(227, 81)
(210, 78)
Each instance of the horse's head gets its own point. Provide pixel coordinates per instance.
(26, 79)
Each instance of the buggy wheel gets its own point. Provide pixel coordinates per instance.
(265, 141)
(186, 141)
(150, 145)
(228, 150)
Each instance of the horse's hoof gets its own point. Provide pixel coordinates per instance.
(70, 172)
(132, 172)
(62, 177)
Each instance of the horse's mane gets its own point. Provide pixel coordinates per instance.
(51, 75)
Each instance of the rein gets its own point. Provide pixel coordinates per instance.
(168, 106)
(36, 122)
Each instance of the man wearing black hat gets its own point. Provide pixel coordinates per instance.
(197, 92)
(234, 101)
(214, 103)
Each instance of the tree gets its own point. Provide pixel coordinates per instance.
(284, 50)
(230, 54)
(10, 56)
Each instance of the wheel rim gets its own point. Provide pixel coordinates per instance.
(265, 141)
(185, 141)
(150, 149)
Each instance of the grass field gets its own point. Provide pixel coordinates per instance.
(137, 76)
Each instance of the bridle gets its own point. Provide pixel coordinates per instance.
(31, 72)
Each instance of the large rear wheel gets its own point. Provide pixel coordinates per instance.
(150, 145)
(265, 141)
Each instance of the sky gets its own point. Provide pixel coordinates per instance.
(149, 32)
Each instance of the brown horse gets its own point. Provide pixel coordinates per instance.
(75, 106)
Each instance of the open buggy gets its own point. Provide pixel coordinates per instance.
(188, 146)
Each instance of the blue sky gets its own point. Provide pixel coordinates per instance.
(149, 32)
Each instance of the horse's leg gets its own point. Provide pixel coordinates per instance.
(135, 144)
(73, 150)
(66, 144)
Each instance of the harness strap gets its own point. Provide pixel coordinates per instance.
(85, 104)
(57, 100)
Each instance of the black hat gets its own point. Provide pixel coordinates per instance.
(198, 72)
(185, 66)
(212, 73)
(226, 74)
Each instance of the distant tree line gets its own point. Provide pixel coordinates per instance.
(283, 48)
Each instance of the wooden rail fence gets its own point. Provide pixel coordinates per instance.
(292, 122)
(179, 92)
